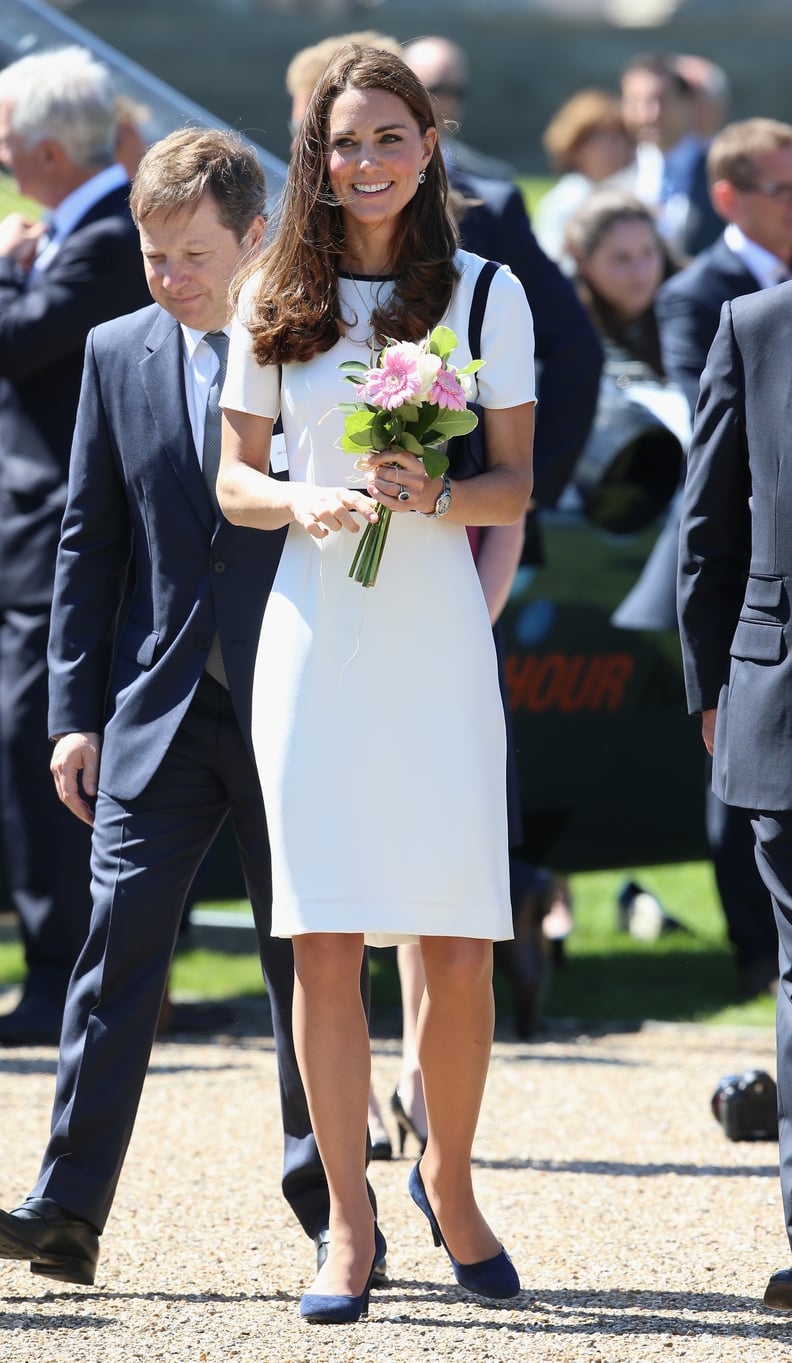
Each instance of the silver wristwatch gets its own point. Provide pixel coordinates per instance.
(443, 503)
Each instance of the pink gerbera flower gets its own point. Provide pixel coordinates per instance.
(447, 391)
(394, 383)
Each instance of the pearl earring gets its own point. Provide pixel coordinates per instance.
(422, 177)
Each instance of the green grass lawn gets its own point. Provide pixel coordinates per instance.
(607, 976)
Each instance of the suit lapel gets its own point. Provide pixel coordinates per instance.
(162, 376)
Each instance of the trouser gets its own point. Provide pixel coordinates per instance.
(145, 854)
(47, 850)
(773, 834)
(746, 903)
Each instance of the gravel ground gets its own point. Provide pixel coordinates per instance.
(639, 1231)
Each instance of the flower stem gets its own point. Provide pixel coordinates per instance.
(365, 564)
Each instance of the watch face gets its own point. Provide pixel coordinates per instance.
(443, 503)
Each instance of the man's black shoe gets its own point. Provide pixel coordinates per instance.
(778, 1293)
(322, 1240)
(57, 1244)
(34, 1022)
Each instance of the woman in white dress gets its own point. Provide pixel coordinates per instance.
(378, 723)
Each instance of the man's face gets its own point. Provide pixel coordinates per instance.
(767, 218)
(300, 103)
(190, 259)
(26, 163)
(653, 109)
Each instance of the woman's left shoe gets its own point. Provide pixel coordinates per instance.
(343, 1310)
(495, 1277)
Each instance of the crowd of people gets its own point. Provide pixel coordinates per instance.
(179, 620)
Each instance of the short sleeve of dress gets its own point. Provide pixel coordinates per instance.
(249, 386)
(507, 378)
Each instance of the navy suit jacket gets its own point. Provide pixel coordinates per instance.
(567, 346)
(703, 225)
(96, 274)
(688, 308)
(147, 570)
(735, 557)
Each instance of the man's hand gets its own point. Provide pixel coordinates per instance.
(19, 238)
(708, 729)
(75, 770)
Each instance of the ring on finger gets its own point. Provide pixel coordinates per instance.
(403, 494)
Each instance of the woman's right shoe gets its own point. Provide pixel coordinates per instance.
(404, 1122)
(324, 1309)
(495, 1277)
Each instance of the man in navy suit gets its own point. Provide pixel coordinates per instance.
(658, 106)
(156, 616)
(750, 169)
(735, 588)
(57, 134)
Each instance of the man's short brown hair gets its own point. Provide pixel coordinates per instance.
(308, 65)
(731, 155)
(181, 169)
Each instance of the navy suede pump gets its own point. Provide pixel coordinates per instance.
(495, 1277)
(343, 1310)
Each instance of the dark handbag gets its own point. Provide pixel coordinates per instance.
(467, 453)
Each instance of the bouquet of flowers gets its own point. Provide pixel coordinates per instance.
(411, 399)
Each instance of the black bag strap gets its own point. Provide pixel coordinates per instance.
(478, 306)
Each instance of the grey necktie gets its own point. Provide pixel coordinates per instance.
(211, 463)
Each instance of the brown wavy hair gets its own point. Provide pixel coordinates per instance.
(295, 310)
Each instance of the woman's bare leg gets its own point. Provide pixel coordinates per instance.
(455, 1028)
(412, 979)
(332, 1046)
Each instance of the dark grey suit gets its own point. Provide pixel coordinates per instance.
(688, 309)
(735, 587)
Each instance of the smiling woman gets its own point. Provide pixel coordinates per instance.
(366, 251)
(375, 159)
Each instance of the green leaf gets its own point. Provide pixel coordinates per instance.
(435, 462)
(354, 365)
(361, 419)
(409, 411)
(349, 407)
(381, 432)
(409, 443)
(425, 419)
(354, 444)
(442, 342)
(456, 423)
(473, 367)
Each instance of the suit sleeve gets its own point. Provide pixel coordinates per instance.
(687, 322)
(568, 352)
(96, 274)
(91, 569)
(715, 533)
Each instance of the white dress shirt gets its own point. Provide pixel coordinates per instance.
(71, 211)
(766, 268)
(200, 366)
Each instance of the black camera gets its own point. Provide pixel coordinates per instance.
(746, 1105)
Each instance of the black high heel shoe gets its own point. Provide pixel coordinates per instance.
(323, 1309)
(495, 1277)
(405, 1123)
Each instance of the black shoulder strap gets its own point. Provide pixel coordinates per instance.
(478, 306)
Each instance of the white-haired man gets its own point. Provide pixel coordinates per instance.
(58, 278)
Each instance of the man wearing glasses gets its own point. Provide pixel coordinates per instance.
(750, 175)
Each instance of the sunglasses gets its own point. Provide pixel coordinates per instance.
(781, 190)
(448, 91)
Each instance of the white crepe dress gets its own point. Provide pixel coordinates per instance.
(378, 722)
